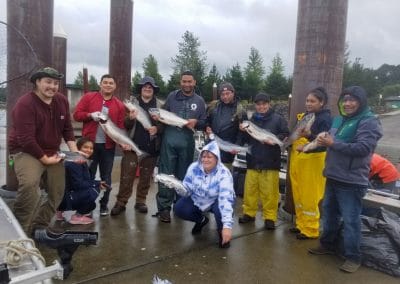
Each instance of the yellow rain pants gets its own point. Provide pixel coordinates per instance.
(261, 185)
(308, 187)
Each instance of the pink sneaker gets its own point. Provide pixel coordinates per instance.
(80, 220)
(59, 216)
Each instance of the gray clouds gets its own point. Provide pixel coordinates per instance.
(226, 29)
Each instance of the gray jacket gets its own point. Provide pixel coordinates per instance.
(348, 160)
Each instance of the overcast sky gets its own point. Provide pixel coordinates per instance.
(227, 29)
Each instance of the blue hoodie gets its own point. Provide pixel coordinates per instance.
(355, 139)
(205, 188)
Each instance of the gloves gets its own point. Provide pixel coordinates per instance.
(95, 115)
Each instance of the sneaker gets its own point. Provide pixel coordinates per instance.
(116, 210)
(165, 216)
(349, 266)
(198, 226)
(269, 224)
(141, 207)
(294, 230)
(59, 216)
(320, 250)
(80, 220)
(246, 219)
(104, 211)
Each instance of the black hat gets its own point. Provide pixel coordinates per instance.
(46, 72)
(147, 80)
(225, 86)
(262, 97)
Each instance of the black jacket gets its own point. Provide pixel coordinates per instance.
(263, 156)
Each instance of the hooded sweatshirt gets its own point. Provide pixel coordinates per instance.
(206, 188)
(355, 139)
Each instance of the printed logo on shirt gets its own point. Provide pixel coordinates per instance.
(62, 117)
(193, 107)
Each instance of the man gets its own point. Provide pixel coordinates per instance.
(263, 165)
(209, 188)
(148, 140)
(383, 174)
(224, 116)
(88, 111)
(40, 119)
(351, 142)
(177, 147)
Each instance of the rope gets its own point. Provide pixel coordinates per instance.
(16, 249)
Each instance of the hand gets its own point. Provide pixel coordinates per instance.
(300, 148)
(226, 235)
(208, 130)
(152, 130)
(269, 142)
(133, 114)
(325, 139)
(155, 117)
(126, 147)
(234, 152)
(191, 123)
(104, 185)
(304, 133)
(46, 160)
(95, 115)
(241, 128)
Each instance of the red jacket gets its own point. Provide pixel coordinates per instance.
(386, 171)
(37, 128)
(91, 102)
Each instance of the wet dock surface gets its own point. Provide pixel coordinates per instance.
(133, 247)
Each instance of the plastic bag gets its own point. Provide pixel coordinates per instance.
(380, 242)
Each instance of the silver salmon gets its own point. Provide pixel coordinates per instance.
(142, 115)
(313, 144)
(171, 182)
(260, 134)
(119, 136)
(228, 146)
(71, 156)
(168, 117)
(304, 124)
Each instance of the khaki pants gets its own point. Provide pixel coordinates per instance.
(129, 163)
(28, 210)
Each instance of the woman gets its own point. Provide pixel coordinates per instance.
(306, 168)
(209, 186)
(81, 191)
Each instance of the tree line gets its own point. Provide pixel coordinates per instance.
(253, 77)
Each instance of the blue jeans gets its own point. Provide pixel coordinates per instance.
(343, 203)
(185, 209)
(104, 158)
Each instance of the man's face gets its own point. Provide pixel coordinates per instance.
(187, 84)
(209, 161)
(147, 92)
(107, 86)
(47, 87)
(350, 105)
(262, 106)
(227, 96)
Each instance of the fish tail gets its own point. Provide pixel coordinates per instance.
(142, 156)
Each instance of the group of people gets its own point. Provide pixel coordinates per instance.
(335, 171)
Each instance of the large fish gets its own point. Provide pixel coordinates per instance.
(228, 146)
(119, 136)
(168, 117)
(72, 156)
(142, 115)
(313, 144)
(260, 134)
(303, 125)
(171, 182)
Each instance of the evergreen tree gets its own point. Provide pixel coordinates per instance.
(135, 80)
(78, 82)
(150, 68)
(189, 57)
(254, 73)
(235, 77)
(276, 83)
(93, 85)
(212, 78)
